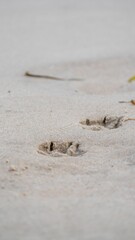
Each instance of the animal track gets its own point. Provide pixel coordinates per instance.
(109, 122)
(58, 148)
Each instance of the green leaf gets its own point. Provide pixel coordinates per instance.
(131, 79)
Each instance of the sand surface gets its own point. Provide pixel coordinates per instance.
(90, 196)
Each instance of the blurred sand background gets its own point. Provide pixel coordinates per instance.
(88, 197)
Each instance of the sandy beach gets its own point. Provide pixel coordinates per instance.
(67, 154)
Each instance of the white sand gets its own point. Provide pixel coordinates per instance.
(88, 197)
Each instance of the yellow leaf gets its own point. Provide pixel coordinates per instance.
(131, 79)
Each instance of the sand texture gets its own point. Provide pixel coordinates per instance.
(67, 146)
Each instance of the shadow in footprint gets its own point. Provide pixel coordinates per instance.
(60, 148)
(110, 122)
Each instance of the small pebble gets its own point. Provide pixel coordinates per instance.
(12, 168)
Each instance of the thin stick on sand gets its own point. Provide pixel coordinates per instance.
(28, 74)
(124, 101)
(129, 119)
(131, 101)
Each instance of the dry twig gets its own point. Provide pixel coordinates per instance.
(28, 74)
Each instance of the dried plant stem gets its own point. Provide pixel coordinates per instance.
(124, 101)
(129, 119)
(131, 101)
(28, 74)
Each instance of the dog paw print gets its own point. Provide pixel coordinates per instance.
(60, 148)
(110, 122)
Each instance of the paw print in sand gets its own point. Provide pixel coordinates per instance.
(110, 122)
(60, 148)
